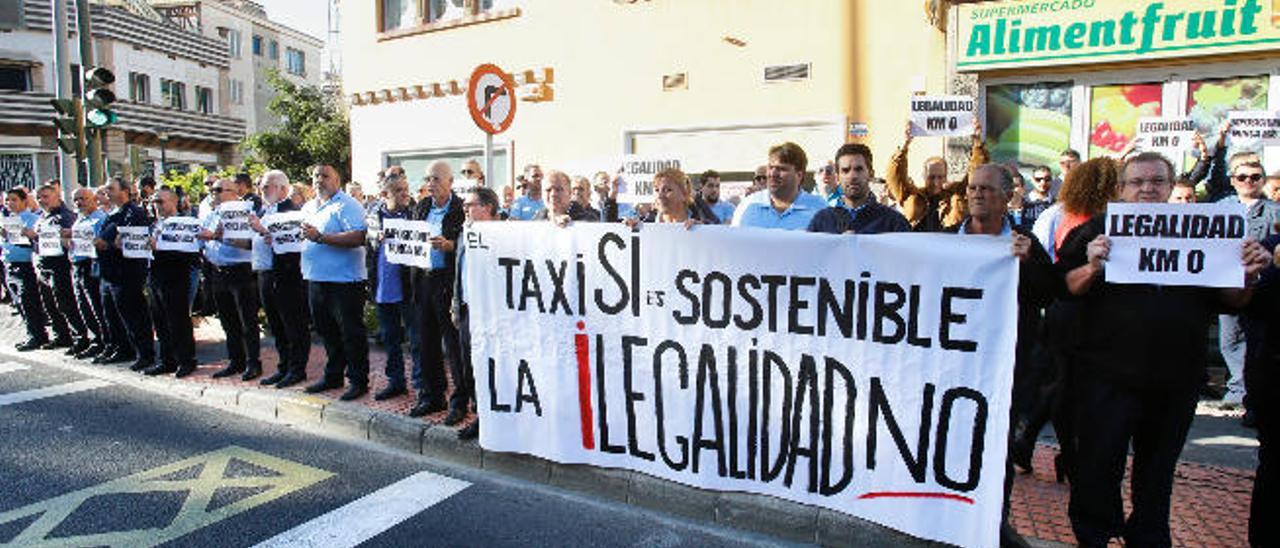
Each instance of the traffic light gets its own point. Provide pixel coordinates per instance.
(98, 99)
(68, 124)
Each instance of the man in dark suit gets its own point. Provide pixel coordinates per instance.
(433, 290)
(122, 280)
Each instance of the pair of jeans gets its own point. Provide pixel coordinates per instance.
(26, 294)
(434, 293)
(395, 320)
(89, 299)
(58, 296)
(170, 286)
(235, 290)
(124, 306)
(337, 309)
(283, 302)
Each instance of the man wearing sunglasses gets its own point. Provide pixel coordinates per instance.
(1261, 216)
(1040, 197)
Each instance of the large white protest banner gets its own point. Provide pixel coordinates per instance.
(635, 185)
(135, 242)
(286, 231)
(179, 234)
(13, 226)
(1176, 244)
(408, 242)
(1253, 128)
(83, 233)
(234, 217)
(49, 240)
(870, 375)
(942, 116)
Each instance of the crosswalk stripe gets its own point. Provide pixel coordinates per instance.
(10, 367)
(366, 517)
(51, 391)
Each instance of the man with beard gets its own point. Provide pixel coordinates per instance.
(857, 212)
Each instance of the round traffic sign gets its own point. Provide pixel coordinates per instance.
(491, 98)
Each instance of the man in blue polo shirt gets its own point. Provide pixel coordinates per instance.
(528, 205)
(333, 265)
(783, 205)
(855, 210)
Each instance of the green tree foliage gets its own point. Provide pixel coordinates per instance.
(312, 129)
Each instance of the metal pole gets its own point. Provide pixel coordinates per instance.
(93, 139)
(488, 160)
(62, 90)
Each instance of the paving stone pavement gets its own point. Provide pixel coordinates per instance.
(1210, 501)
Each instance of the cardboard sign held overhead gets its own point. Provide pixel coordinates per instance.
(491, 99)
(942, 116)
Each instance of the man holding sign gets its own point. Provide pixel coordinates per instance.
(84, 274)
(1141, 361)
(433, 290)
(235, 290)
(20, 274)
(55, 271)
(276, 259)
(937, 204)
(122, 279)
(170, 284)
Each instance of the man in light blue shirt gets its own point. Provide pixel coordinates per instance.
(84, 273)
(709, 198)
(530, 203)
(782, 205)
(235, 287)
(333, 265)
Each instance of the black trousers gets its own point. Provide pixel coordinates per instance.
(235, 289)
(170, 289)
(1111, 416)
(1262, 381)
(338, 312)
(464, 375)
(89, 300)
(59, 297)
(433, 291)
(21, 278)
(283, 301)
(123, 304)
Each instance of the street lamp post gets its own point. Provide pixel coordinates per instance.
(163, 136)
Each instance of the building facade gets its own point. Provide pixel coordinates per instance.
(712, 83)
(1080, 74)
(167, 84)
(255, 46)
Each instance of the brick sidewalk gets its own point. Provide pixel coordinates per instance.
(1210, 503)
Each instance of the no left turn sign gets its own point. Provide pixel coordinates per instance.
(491, 98)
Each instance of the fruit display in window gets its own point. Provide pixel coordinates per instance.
(1028, 124)
(1209, 101)
(1114, 115)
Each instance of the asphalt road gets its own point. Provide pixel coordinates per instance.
(85, 462)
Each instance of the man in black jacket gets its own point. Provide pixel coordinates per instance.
(1262, 375)
(433, 292)
(858, 211)
(54, 268)
(122, 280)
(170, 287)
(281, 289)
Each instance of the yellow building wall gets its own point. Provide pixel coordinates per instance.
(609, 59)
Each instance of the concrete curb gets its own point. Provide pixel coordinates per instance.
(756, 513)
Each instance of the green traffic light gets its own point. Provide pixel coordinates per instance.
(101, 117)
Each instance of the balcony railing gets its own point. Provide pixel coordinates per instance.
(25, 108)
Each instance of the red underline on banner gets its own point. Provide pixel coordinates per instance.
(914, 495)
(582, 344)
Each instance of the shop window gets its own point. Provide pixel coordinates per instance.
(1114, 112)
(1029, 123)
(1209, 101)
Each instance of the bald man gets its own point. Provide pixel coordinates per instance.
(85, 277)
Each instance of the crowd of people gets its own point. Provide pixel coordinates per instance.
(1110, 365)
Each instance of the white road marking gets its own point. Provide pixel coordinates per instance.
(10, 367)
(51, 391)
(1238, 441)
(366, 517)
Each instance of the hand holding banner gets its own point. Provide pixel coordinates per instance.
(135, 242)
(286, 231)
(1176, 244)
(179, 234)
(50, 240)
(82, 236)
(942, 116)
(234, 217)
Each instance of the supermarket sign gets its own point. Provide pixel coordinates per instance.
(1023, 33)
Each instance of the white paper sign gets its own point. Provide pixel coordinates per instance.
(1253, 128)
(234, 217)
(83, 234)
(1171, 137)
(286, 231)
(49, 240)
(691, 356)
(408, 242)
(636, 181)
(942, 115)
(13, 226)
(1176, 244)
(135, 242)
(179, 234)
